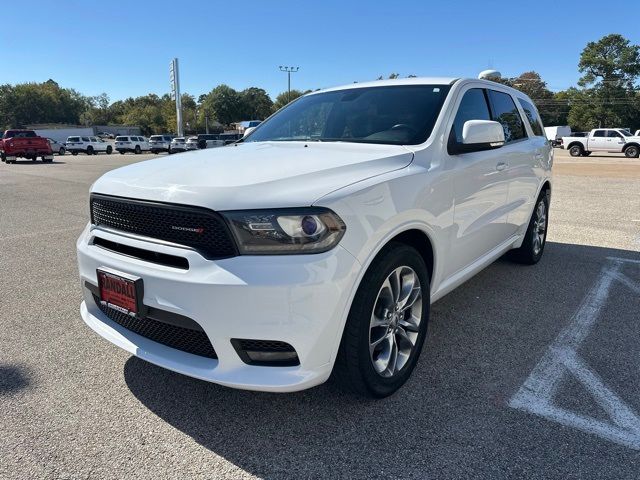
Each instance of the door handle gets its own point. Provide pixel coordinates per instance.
(501, 166)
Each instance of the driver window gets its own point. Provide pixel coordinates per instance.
(472, 107)
(613, 134)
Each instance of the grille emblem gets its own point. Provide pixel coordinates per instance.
(187, 229)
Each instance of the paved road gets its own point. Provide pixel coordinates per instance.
(528, 371)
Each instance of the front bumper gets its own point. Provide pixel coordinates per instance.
(299, 299)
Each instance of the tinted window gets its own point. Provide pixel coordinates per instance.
(472, 107)
(93, 139)
(85, 139)
(532, 117)
(396, 115)
(600, 133)
(73, 139)
(121, 139)
(505, 112)
(613, 134)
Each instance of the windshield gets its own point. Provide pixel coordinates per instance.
(397, 115)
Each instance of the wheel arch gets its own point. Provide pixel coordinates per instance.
(631, 144)
(574, 144)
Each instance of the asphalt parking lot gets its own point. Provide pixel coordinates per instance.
(528, 371)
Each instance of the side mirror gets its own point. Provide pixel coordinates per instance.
(479, 135)
(247, 131)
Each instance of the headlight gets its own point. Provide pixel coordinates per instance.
(285, 231)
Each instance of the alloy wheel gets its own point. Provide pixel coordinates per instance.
(395, 321)
(539, 228)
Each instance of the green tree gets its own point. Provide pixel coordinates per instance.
(97, 112)
(45, 102)
(223, 104)
(610, 68)
(256, 104)
(285, 98)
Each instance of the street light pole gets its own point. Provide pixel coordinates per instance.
(289, 71)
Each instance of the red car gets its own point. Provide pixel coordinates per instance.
(25, 144)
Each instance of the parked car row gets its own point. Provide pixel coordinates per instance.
(92, 145)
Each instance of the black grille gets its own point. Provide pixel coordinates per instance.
(265, 346)
(201, 229)
(180, 338)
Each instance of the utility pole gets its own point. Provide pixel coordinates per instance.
(206, 122)
(289, 71)
(174, 78)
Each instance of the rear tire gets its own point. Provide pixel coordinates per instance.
(532, 248)
(379, 325)
(632, 151)
(61, 151)
(89, 150)
(576, 151)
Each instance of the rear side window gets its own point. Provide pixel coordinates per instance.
(505, 112)
(600, 133)
(73, 139)
(85, 139)
(472, 107)
(533, 118)
(121, 139)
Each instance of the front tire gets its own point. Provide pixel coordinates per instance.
(387, 324)
(89, 150)
(109, 149)
(137, 150)
(632, 151)
(576, 151)
(61, 151)
(532, 248)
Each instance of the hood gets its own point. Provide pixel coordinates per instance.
(253, 175)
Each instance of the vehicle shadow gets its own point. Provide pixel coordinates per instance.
(12, 379)
(451, 416)
(38, 162)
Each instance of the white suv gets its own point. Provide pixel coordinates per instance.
(132, 143)
(319, 241)
(160, 143)
(88, 145)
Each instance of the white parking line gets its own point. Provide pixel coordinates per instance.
(561, 359)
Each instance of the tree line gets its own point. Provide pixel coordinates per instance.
(607, 95)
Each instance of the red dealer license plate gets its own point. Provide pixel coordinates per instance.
(120, 291)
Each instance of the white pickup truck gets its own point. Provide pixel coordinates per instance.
(618, 140)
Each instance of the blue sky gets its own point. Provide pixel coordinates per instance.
(124, 48)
